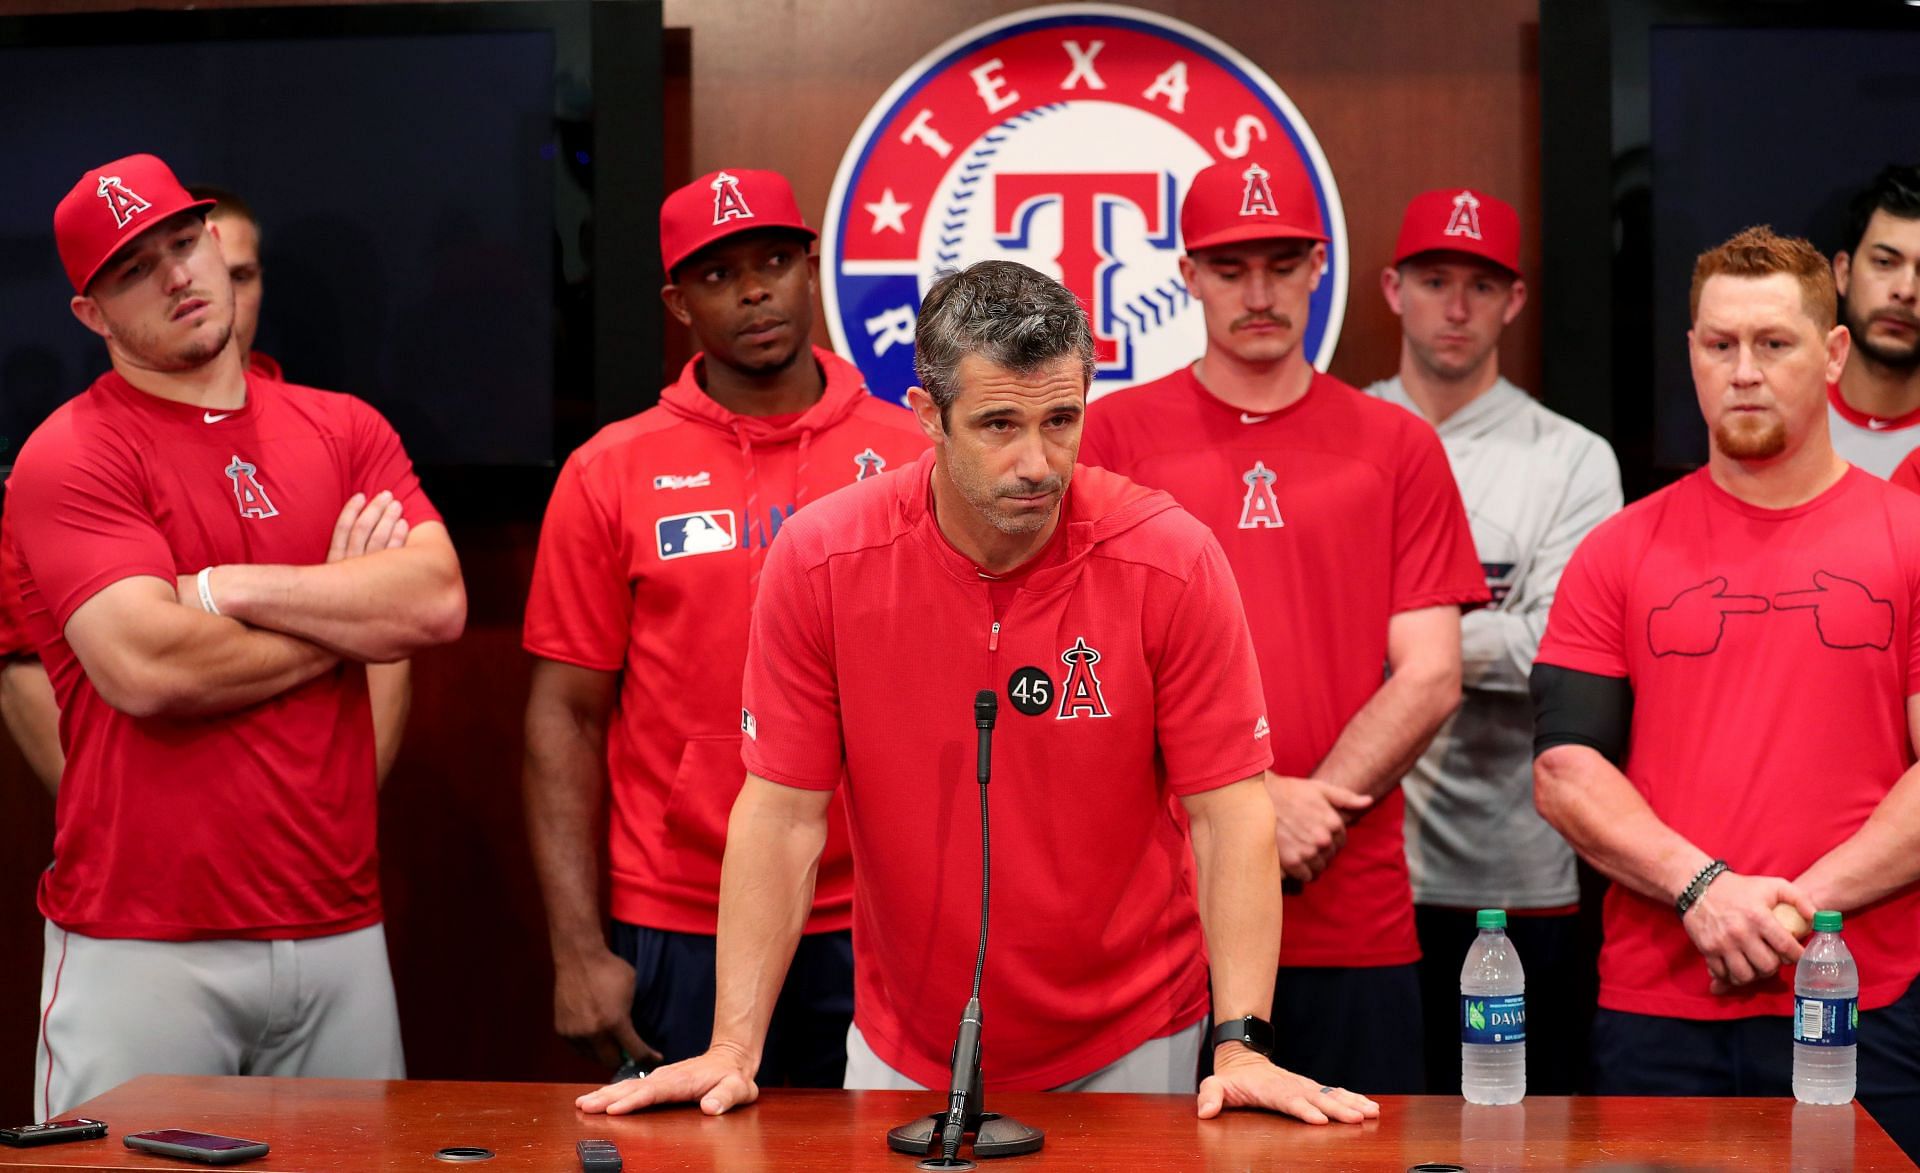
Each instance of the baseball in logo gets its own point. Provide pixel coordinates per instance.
(1064, 138)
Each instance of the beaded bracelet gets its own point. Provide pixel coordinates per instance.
(1698, 886)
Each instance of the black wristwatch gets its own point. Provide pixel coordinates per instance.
(1256, 1034)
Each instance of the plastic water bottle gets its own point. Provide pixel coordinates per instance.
(1493, 1016)
(1826, 1013)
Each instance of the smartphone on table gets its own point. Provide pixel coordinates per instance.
(52, 1132)
(205, 1147)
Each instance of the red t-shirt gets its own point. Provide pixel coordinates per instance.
(1336, 513)
(14, 641)
(646, 562)
(1125, 676)
(258, 823)
(1907, 475)
(1771, 653)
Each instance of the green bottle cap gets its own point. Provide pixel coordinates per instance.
(1496, 918)
(1826, 922)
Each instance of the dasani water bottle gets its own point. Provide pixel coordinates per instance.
(1493, 1016)
(1826, 1013)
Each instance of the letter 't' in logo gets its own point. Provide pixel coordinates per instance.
(1260, 508)
(1256, 198)
(248, 491)
(124, 203)
(728, 203)
(871, 464)
(1465, 220)
(1081, 691)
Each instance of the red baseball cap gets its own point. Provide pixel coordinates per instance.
(110, 206)
(1461, 220)
(1246, 199)
(714, 207)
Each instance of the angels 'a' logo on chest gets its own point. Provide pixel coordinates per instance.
(1260, 509)
(248, 493)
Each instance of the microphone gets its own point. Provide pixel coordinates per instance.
(994, 1135)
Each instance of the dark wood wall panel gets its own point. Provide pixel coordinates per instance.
(1402, 97)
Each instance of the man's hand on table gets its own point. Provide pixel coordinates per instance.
(1247, 1079)
(720, 1079)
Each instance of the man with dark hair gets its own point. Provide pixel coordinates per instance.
(649, 555)
(1874, 407)
(238, 230)
(1347, 537)
(209, 559)
(1107, 619)
(1676, 750)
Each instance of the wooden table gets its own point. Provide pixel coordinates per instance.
(355, 1125)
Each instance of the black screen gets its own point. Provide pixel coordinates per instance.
(406, 190)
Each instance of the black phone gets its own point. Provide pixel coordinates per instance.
(53, 1132)
(205, 1147)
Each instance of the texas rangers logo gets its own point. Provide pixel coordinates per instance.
(1061, 137)
(248, 491)
(122, 201)
(1259, 509)
(871, 464)
(1465, 220)
(728, 203)
(1081, 694)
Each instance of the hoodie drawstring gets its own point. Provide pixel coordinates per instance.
(750, 477)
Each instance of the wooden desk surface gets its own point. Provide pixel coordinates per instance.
(355, 1125)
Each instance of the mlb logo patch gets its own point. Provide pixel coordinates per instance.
(686, 534)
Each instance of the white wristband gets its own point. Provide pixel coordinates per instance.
(206, 592)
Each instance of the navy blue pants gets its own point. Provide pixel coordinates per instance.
(1357, 1028)
(673, 1002)
(1561, 987)
(1651, 1055)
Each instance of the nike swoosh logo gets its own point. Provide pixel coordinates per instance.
(1251, 419)
(214, 419)
(1878, 425)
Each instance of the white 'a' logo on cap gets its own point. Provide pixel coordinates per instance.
(728, 203)
(1256, 198)
(124, 203)
(1465, 220)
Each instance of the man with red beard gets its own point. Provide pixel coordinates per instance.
(1874, 407)
(209, 558)
(1674, 746)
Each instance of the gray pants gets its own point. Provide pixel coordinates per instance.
(111, 1009)
(1164, 1064)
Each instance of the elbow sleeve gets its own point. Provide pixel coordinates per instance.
(1580, 708)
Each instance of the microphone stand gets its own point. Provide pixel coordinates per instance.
(938, 1135)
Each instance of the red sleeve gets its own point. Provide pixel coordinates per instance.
(1907, 476)
(580, 609)
(81, 522)
(380, 462)
(1434, 562)
(13, 614)
(1586, 629)
(1209, 710)
(790, 719)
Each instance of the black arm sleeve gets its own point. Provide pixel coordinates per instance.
(1580, 708)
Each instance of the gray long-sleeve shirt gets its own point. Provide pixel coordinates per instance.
(1534, 483)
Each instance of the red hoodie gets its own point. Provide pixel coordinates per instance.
(655, 533)
(1125, 674)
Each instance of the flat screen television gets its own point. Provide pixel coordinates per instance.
(1669, 125)
(443, 192)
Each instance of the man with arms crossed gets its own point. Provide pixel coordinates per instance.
(1874, 407)
(1108, 621)
(1534, 483)
(209, 559)
(1727, 715)
(656, 533)
(1351, 550)
(26, 696)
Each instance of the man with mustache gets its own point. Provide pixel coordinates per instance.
(1874, 407)
(209, 559)
(1106, 620)
(650, 555)
(1352, 551)
(1534, 484)
(1676, 750)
